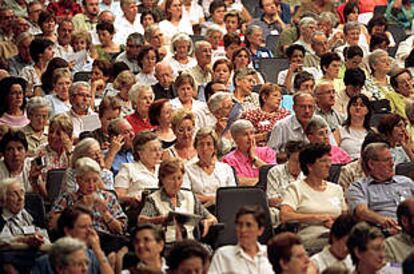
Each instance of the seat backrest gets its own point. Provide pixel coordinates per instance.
(263, 171)
(334, 173)
(398, 33)
(82, 76)
(253, 7)
(54, 179)
(380, 10)
(272, 42)
(228, 201)
(270, 68)
(406, 169)
(35, 206)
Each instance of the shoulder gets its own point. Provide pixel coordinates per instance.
(229, 250)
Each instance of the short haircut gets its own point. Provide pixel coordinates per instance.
(69, 217)
(238, 51)
(136, 38)
(38, 46)
(373, 57)
(241, 73)
(155, 111)
(349, 8)
(86, 164)
(293, 147)
(231, 38)
(62, 249)
(223, 61)
(180, 115)
(354, 77)
(168, 167)
(158, 233)
(150, 13)
(215, 5)
(109, 27)
(63, 122)
(184, 250)
(125, 78)
(78, 35)
(266, 89)
(182, 36)
(45, 16)
(300, 78)
(370, 152)
(395, 74)
(215, 101)
(387, 123)
(4, 188)
(105, 66)
(61, 73)
(109, 103)
(361, 234)
(74, 88)
(144, 51)
(404, 210)
(240, 126)
(280, 248)
(378, 20)
(13, 136)
(140, 140)
(255, 210)
(135, 92)
(81, 149)
(341, 226)
(352, 51)
(351, 26)
(206, 132)
(316, 123)
(37, 102)
(377, 39)
(184, 78)
(327, 59)
(292, 48)
(310, 154)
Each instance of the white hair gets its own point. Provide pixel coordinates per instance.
(136, 90)
(86, 164)
(4, 187)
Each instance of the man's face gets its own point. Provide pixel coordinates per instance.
(34, 12)
(92, 7)
(126, 130)
(132, 49)
(308, 30)
(352, 37)
(269, 7)
(203, 54)
(381, 167)
(7, 17)
(320, 45)
(325, 96)
(81, 99)
(65, 33)
(130, 10)
(246, 83)
(304, 108)
(164, 75)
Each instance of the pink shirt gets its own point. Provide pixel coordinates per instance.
(244, 166)
(14, 121)
(339, 156)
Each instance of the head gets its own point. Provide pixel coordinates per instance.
(182, 45)
(185, 87)
(33, 10)
(231, 42)
(354, 80)
(38, 113)
(60, 129)
(148, 242)
(23, 41)
(148, 18)
(307, 26)
(242, 131)
(392, 126)
(233, 21)
(214, 35)
(12, 195)
(13, 89)
(377, 24)
(353, 57)
(14, 149)
(75, 222)
(129, 8)
(47, 76)
(325, 95)
(377, 161)
(254, 36)
(65, 31)
(379, 62)
(91, 8)
(296, 53)
(47, 22)
(41, 50)
(244, 80)
(317, 131)
(106, 32)
(154, 36)
(409, 110)
(148, 57)
(183, 124)
(326, 22)
(304, 107)
(187, 256)
(359, 106)
(330, 64)
(268, 7)
(220, 104)
(109, 109)
(315, 160)
(102, 69)
(81, 40)
(222, 69)
(124, 81)
(270, 95)
(319, 43)
(206, 143)
(379, 41)
(80, 97)
(287, 254)
(173, 9)
(405, 215)
(214, 86)
(338, 236)
(147, 149)
(141, 97)
(241, 58)
(250, 222)
(352, 31)
(121, 126)
(69, 255)
(203, 51)
(217, 11)
(304, 82)
(88, 175)
(402, 82)
(106, 16)
(134, 43)
(351, 12)
(170, 176)
(160, 112)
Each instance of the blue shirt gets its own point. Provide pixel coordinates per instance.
(123, 157)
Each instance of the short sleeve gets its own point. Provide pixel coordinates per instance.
(356, 195)
(122, 178)
(291, 197)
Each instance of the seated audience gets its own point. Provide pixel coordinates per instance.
(186, 88)
(378, 85)
(160, 115)
(123, 83)
(188, 256)
(325, 101)
(165, 86)
(402, 82)
(141, 97)
(12, 107)
(59, 99)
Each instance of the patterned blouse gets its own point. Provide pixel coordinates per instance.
(264, 121)
(378, 91)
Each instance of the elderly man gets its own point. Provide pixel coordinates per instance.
(87, 20)
(202, 71)
(133, 44)
(375, 198)
(164, 88)
(244, 81)
(307, 26)
(33, 10)
(399, 246)
(128, 22)
(23, 58)
(319, 45)
(325, 100)
(83, 118)
(63, 47)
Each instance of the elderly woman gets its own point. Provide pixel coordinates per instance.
(313, 201)
(247, 158)
(317, 132)
(265, 117)
(108, 216)
(147, 58)
(133, 178)
(244, 81)
(108, 49)
(352, 32)
(59, 100)
(141, 97)
(170, 198)
(182, 48)
(155, 37)
(378, 85)
(186, 91)
(69, 255)
(36, 130)
(402, 82)
(174, 22)
(183, 124)
(12, 107)
(90, 148)
(207, 174)
(123, 83)
(160, 115)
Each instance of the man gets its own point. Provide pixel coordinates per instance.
(83, 118)
(155, 37)
(128, 22)
(33, 11)
(202, 71)
(231, 43)
(319, 45)
(23, 58)
(63, 48)
(87, 20)
(375, 198)
(244, 81)
(354, 82)
(165, 86)
(325, 100)
(133, 44)
(352, 32)
(270, 22)
(121, 132)
(6, 24)
(307, 26)
(399, 246)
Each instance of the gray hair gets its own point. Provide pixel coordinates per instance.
(136, 38)
(86, 164)
(113, 126)
(241, 73)
(212, 29)
(82, 149)
(136, 90)
(371, 153)
(251, 28)
(182, 36)
(316, 34)
(375, 55)
(306, 21)
(149, 31)
(37, 102)
(315, 124)
(328, 16)
(351, 26)
(409, 110)
(75, 86)
(4, 187)
(214, 103)
(239, 127)
(62, 249)
(201, 43)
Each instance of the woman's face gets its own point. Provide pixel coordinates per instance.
(95, 153)
(181, 48)
(15, 97)
(151, 153)
(297, 57)
(172, 183)
(39, 118)
(320, 136)
(109, 115)
(242, 60)
(247, 230)
(218, 15)
(15, 198)
(80, 44)
(222, 73)
(49, 26)
(214, 39)
(165, 114)
(399, 133)
(175, 9)
(332, 70)
(244, 139)
(48, 54)
(148, 20)
(374, 257)
(383, 64)
(184, 131)
(354, 62)
(61, 88)
(352, 37)
(78, 263)
(56, 137)
(353, 16)
(358, 109)
(97, 74)
(105, 37)
(205, 148)
(149, 61)
(144, 101)
(232, 24)
(273, 99)
(88, 182)
(185, 93)
(81, 228)
(320, 169)
(146, 246)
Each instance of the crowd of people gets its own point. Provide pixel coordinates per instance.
(143, 110)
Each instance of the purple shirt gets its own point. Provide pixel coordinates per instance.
(244, 166)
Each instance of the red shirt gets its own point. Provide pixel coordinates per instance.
(138, 124)
(65, 9)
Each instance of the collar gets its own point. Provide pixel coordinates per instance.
(7, 214)
(166, 198)
(145, 169)
(74, 114)
(295, 123)
(371, 180)
(261, 251)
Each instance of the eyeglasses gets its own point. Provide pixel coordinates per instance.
(83, 95)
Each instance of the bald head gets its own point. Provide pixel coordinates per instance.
(164, 74)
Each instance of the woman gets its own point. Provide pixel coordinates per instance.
(182, 48)
(207, 174)
(241, 58)
(47, 23)
(401, 81)
(147, 58)
(379, 83)
(12, 107)
(108, 49)
(59, 99)
(188, 256)
(186, 91)
(222, 71)
(91, 149)
(351, 13)
(379, 24)
(148, 18)
(330, 65)
(313, 201)
(100, 81)
(141, 97)
(123, 83)
(46, 78)
(169, 198)
(133, 178)
(250, 222)
(356, 126)
(265, 117)
(160, 115)
(174, 22)
(216, 10)
(183, 123)
(247, 158)
(108, 216)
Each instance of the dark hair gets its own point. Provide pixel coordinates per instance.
(69, 217)
(144, 51)
(45, 16)
(394, 76)
(38, 46)
(168, 167)
(387, 124)
(237, 51)
(117, 68)
(280, 248)
(354, 77)
(409, 61)
(301, 77)
(184, 78)
(255, 210)
(234, 13)
(106, 26)
(215, 5)
(140, 140)
(291, 49)
(367, 117)
(352, 51)
(341, 227)
(221, 62)
(184, 250)
(105, 66)
(361, 234)
(13, 136)
(47, 76)
(149, 12)
(109, 103)
(408, 264)
(377, 39)
(327, 59)
(157, 233)
(403, 210)
(155, 111)
(372, 137)
(310, 154)
(167, 5)
(378, 20)
(208, 89)
(293, 147)
(5, 86)
(231, 38)
(349, 8)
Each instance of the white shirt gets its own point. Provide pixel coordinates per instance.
(278, 179)
(202, 183)
(23, 176)
(232, 259)
(194, 14)
(124, 28)
(132, 64)
(204, 118)
(170, 30)
(176, 104)
(114, 7)
(325, 259)
(179, 67)
(146, 79)
(88, 122)
(135, 177)
(56, 105)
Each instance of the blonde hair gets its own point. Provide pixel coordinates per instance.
(180, 115)
(61, 73)
(62, 122)
(124, 78)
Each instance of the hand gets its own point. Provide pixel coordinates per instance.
(87, 200)
(206, 226)
(93, 239)
(34, 240)
(324, 218)
(100, 205)
(252, 149)
(98, 85)
(275, 202)
(116, 144)
(329, 223)
(295, 67)
(34, 173)
(388, 222)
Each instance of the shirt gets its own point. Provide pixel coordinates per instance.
(200, 76)
(338, 156)
(398, 247)
(170, 30)
(332, 117)
(232, 259)
(81, 22)
(123, 28)
(138, 124)
(250, 101)
(325, 259)
(132, 64)
(16, 64)
(122, 157)
(81, 123)
(278, 179)
(350, 173)
(264, 121)
(34, 141)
